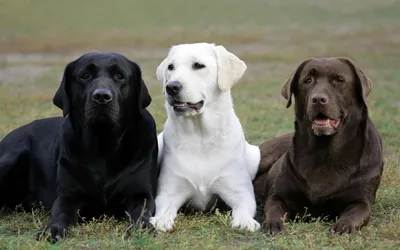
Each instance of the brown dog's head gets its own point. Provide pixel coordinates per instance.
(329, 92)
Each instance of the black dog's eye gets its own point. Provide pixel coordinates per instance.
(120, 76)
(85, 76)
(197, 65)
(308, 80)
(171, 67)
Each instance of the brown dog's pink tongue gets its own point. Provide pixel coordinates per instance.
(334, 123)
(321, 121)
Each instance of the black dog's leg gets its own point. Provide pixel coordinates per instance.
(63, 215)
(140, 211)
(13, 174)
(7, 163)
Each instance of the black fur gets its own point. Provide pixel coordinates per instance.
(97, 159)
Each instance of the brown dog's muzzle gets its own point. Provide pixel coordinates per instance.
(323, 113)
(319, 99)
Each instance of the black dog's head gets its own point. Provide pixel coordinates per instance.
(329, 93)
(101, 88)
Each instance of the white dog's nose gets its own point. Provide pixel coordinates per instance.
(173, 88)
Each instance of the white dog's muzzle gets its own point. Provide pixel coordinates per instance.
(173, 88)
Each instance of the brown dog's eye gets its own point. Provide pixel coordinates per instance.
(308, 80)
(171, 67)
(85, 76)
(197, 65)
(340, 80)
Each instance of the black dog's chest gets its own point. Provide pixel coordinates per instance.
(98, 173)
(97, 180)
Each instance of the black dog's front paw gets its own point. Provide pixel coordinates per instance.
(52, 233)
(141, 224)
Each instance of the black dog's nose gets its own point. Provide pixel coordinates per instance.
(102, 96)
(173, 88)
(319, 99)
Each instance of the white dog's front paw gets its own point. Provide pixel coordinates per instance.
(163, 223)
(247, 223)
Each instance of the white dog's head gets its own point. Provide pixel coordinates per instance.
(195, 74)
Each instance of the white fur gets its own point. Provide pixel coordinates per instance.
(204, 152)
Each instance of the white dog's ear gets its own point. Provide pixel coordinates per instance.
(230, 68)
(161, 73)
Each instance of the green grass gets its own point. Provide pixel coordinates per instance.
(37, 39)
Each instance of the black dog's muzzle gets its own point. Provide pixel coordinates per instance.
(102, 96)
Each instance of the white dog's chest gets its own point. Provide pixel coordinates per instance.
(198, 175)
(199, 171)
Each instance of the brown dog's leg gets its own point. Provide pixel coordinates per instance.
(354, 217)
(274, 215)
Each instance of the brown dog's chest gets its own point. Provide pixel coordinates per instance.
(320, 184)
(324, 181)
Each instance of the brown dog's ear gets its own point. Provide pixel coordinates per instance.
(143, 96)
(61, 98)
(286, 91)
(364, 82)
(288, 86)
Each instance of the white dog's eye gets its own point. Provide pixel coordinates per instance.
(171, 67)
(197, 65)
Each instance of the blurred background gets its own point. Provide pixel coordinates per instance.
(37, 39)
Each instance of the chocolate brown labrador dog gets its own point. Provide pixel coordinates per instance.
(332, 165)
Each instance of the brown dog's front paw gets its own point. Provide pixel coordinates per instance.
(343, 227)
(52, 233)
(273, 227)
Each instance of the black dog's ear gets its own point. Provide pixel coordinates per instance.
(61, 98)
(362, 80)
(143, 96)
(288, 86)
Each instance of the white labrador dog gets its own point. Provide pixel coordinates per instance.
(202, 149)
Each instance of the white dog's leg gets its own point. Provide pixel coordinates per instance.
(253, 156)
(241, 201)
(160, 141)
(168, 202)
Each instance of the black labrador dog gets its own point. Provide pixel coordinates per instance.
(100, 158)
(332, 165)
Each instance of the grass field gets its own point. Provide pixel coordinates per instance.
(37, 39)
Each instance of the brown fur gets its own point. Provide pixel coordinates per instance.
(333, 173)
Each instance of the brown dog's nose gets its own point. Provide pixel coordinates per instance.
(173, 88)
(102, 96)
(319, 99)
